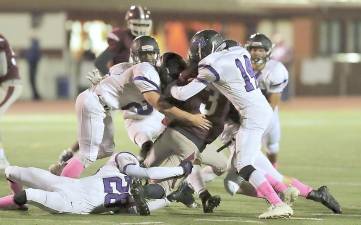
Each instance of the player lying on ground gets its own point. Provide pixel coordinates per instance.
(110, 189)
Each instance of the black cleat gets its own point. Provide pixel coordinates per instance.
(184, 194)
(138, 196)
(323, 195)
(209, 202)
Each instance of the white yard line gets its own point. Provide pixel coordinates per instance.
(229, 220)
(82, 221)
(333, 214)
(306, 218)
(142, 223)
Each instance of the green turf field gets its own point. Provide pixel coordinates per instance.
(319, 147)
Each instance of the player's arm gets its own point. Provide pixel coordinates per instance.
(159, 173)
(3, 63)
(128, 164)
(206, 75)
(101, 62)
(115, 41)
(274, 99)
(277, 84)
(183, 93)
(172, 112)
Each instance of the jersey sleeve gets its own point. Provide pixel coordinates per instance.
(207, 74)
(278, 79)
(146, 78)
(124, 159)
(115, 40)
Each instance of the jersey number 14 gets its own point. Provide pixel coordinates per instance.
(247, 74)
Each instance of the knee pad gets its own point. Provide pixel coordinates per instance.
(20, 198)
(153, 191)
(246, 172)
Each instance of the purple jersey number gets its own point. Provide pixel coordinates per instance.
(117, 190)
(247, 74)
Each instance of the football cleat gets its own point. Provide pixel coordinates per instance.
(281, 210)
(57, 168)
(139, 199)
(209, 202)
(290, 195)
(66, 155)
(184, 194)
(324, 196)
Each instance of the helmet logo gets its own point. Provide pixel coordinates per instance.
(147, 48)
(200, 42)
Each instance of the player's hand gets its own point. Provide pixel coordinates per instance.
(187, 167)
(94, 77)
(199, 120)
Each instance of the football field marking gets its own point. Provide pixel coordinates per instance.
(141, 223)
(306, 218)
(333, 214)
(229, 220)
(82, 221)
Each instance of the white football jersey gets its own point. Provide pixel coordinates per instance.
(231, 73)
(126, 83)
(109, 185)
(273, 78)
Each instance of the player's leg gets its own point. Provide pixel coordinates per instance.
(144, 131)
(9, 93)
(248, 147)
(216, 162)
(90, 116)
(165, 146)
(50, 201)
(34, 177)
(272, 139)
(106, 148)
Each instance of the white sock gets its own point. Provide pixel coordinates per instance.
(195, 180)
(156, 204)
(207, 174)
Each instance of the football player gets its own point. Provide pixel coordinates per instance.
(230, 71)
(272, 77)
(110, 189)
(180, 140)
(128, 87)
(287, 187)
(142, 130)
(139, 23)
(10, 85)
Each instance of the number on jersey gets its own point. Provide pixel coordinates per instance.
(247, 74)
(211, 105)
(116, 190)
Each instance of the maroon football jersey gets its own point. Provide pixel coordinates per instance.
(119, 41)
(13, 72)
(215, 104)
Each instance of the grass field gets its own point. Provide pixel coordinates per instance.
(318, 147)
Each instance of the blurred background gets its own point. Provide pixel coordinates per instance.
(318, 40)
